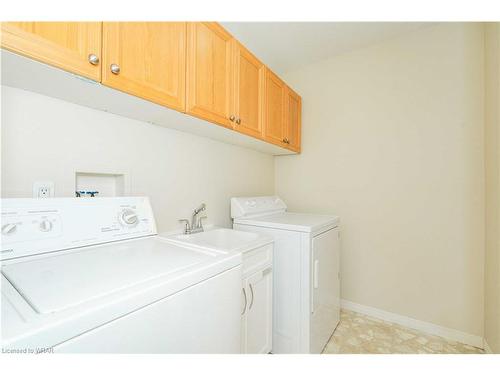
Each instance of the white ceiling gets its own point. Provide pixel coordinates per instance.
(286, 46)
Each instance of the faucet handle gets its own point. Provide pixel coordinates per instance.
(187, 227)
(202, 207)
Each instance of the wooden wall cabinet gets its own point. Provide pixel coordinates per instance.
(293, 120)
(209, 71)
(146, 59)
(72, 46)
(274, 109)
(248, 92)
(282, 113)
(192, 67)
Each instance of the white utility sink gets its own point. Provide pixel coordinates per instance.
(222, 239)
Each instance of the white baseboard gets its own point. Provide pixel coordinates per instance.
(426, 327)
(487, 348)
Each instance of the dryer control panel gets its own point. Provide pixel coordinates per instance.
(256, 206)
(35, 226)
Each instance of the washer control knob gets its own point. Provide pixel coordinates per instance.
(8, 229)
(129, 218)
(45, 225)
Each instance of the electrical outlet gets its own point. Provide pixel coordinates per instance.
(43, 189)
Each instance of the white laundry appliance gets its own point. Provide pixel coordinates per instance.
(306, 294)
(91, 275)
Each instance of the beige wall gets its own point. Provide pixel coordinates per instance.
(393, 143)
(48, 139)
(492, 136)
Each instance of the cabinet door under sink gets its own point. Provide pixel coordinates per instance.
(257, 319)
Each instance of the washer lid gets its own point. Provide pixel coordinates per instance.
(54, 283)
(292, 221)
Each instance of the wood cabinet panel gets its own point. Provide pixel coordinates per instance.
(66, 45)
(293, 120)
(275, 106)
(248, 94)
(151, 57)
(209, 72)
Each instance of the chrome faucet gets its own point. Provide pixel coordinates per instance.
(196, 224)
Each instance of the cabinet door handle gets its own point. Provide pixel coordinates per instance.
(115, 68)
(232, 117)
(251, 302)
(93, 59)
(245, 295)
(316, 274)
(238, 121)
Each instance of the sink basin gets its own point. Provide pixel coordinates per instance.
(222, 239)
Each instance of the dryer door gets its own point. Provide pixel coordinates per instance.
(325, 284)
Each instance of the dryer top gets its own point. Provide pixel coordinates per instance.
(271, 212)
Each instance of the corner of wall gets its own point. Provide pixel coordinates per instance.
(492, 187)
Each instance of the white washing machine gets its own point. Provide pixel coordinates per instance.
(91, 275)
(306, 291)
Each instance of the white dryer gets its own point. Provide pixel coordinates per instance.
(91, 275)
(306, 291)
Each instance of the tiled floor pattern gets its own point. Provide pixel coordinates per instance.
(361, 334)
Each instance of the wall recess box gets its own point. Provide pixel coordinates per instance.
(106, 184)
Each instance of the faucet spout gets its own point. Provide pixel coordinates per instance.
(196, 225)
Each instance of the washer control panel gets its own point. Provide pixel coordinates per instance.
(30, 225)
(35, 226)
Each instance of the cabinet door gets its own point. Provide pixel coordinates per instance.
(275, 106)
(151, 57)
(259, 312)
(249, 75)
(293, 120)
(66, 45)
(209, 72)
